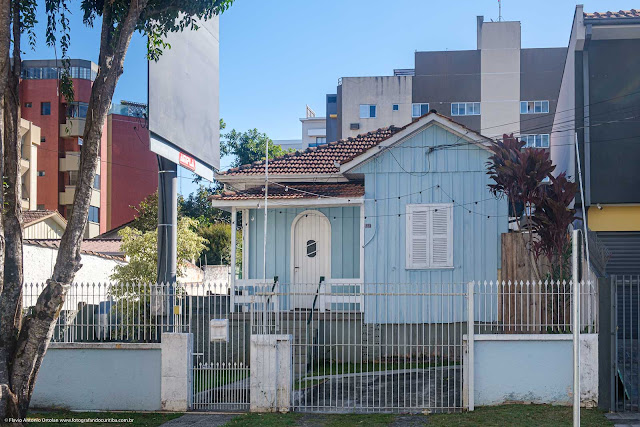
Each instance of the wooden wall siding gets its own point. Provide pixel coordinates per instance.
(345, 242)
(525, 307)
(412, 169)
(47, 229)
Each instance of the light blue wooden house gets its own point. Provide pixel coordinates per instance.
(398, 210)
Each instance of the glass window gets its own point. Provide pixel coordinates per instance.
(535, 141)
(367, 111)
(94, 214)
(534, 107)
(40, 207)
(418, 110)
(396, 107)
(27, 105)
(40, 173)
(321, 140)
(96, 182)
(45, 108)
(311, 248)
(465, 108)
(73, 178)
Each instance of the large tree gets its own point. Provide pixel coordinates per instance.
(248, 147)
(24, 341)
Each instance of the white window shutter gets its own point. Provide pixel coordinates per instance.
(441, 224)
(417, 237)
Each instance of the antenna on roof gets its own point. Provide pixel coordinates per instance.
(499, 11)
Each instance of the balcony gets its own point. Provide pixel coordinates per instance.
(74, 127)
(24, 165)
(66, 197)
(71, 162)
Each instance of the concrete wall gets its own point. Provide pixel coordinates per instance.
(100, 377)
(313, 127)
(383, 91)
(445, 77)
(499, 43)
(39, 263)
(533, 369)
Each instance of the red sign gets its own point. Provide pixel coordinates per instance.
(187, 162)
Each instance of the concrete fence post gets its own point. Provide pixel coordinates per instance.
(177, 372)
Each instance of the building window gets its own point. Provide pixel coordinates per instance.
(96, 182)
(43, 139)
(27, 105)
(418, 110)
(40, 207)
(396, 107)
(535, 141)
(40, 173)
(77, 109)
(465, 108)
(73, 178)
(534, 107)
(94, 214)
(45, 108)
(429, 236)
(367, 111)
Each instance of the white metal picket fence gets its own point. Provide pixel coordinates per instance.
(354, 347)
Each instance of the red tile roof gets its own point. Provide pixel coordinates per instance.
(88, 247)
(296, 191)
(326, 158)
(633, 13)
(29, 217)
(318, 160)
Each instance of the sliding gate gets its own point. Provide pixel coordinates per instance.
(354, 347)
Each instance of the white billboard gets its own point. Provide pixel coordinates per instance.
(184, 114)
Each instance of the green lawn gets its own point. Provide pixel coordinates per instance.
(207, 378)
(145, 419)
(497, 416)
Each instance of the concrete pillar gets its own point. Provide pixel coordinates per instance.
(271, 373)
(177, 371)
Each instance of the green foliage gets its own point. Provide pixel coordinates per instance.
(218, 251)
(141, 250)
(249, 146)
(198, 206)
(146, 214)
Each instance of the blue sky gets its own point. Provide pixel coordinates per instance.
(278, 55)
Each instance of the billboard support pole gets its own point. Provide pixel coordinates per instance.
(168, 230)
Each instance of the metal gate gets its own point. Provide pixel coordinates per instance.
(354, 347)
(626, 332)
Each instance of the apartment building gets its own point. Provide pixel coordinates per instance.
(314, 133)
(61, 125)
(497, 88)
(598, 108)
(30, 140)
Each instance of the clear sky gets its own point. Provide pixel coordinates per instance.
(278, 55)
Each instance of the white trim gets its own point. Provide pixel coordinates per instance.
(362, 242)
(242, 182)
(293, 239)
(287, 203)
(524, 337)
(415, 127)
(245, 243)
(232, 269)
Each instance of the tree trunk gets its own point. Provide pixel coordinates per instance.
(37, 329)
(11, 297)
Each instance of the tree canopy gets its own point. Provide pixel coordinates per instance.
(248, 147)
(141, 248)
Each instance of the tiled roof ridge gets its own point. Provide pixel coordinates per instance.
(632, 13)
(297, 190)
